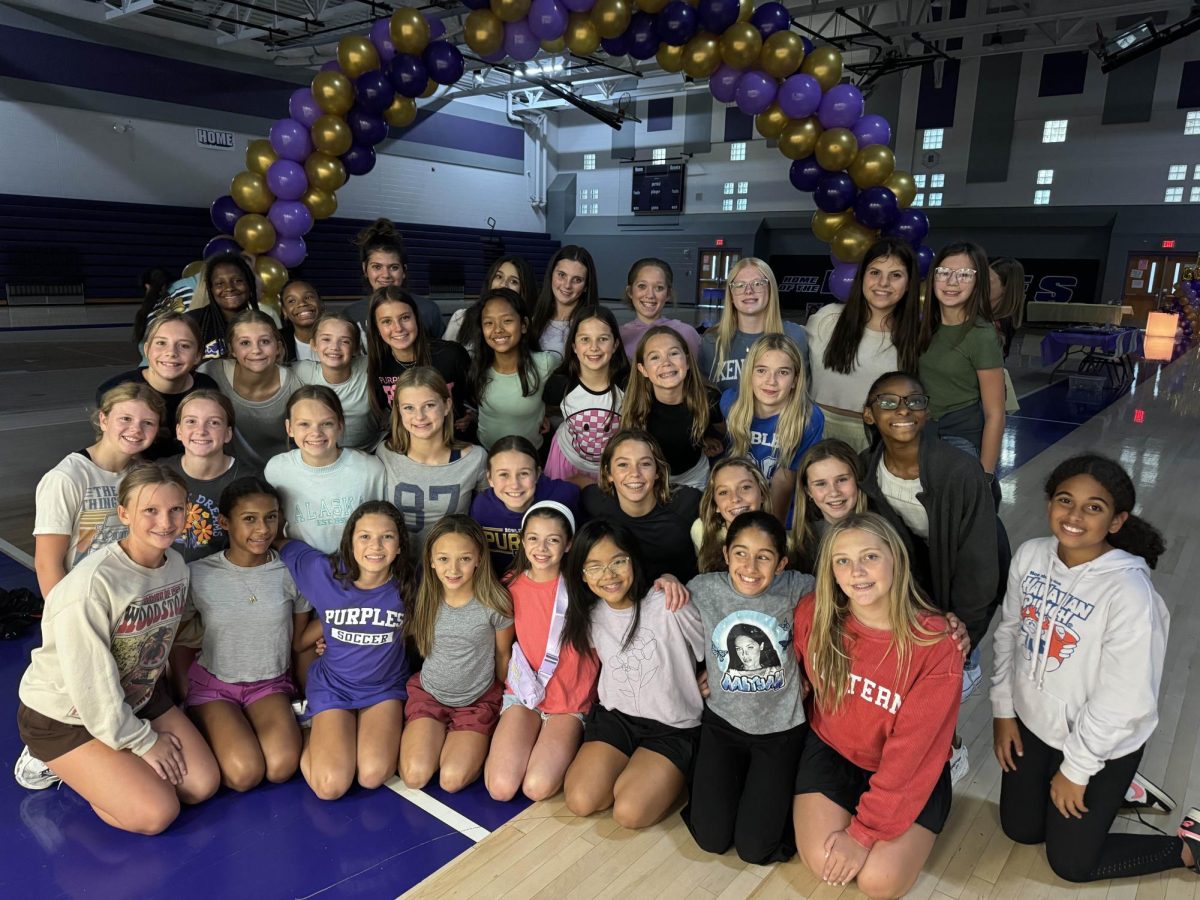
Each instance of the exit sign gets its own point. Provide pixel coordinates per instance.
(721, 242)
(1168, 244)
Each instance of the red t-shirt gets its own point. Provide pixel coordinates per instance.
(895, 721)
(572, 687)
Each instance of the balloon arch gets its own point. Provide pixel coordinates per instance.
(748, 54)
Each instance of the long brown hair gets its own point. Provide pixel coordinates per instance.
(979, 303)
(377, 348)
(639, 396)
(710, 558)
(345, 567)
(1011, 273)
(546, 304)
(803, 540)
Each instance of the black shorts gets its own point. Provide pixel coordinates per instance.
(825, 771)
(627, 733)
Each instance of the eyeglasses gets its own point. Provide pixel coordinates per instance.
(617, 567)
(960, 275)
(759, 284)
(914, 402)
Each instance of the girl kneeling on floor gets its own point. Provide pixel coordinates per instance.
(462, 625)
(640, 738)
(356, 689)
(94, 705)
(873, 786)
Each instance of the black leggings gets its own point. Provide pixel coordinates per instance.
(741, 791)
(1080, 849)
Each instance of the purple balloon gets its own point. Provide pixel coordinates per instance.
(291, 218)
(835, 192)
(676, 23)
(876, 207)
(443, 62)
(367, 128)
(807, 44)
(717, 15)
(373, 91)
(437, 28)
(723, 83)
(303, 107)
(841, 106)
(770, 18)
(841, 279)
(519, 42)
(579, 5)
(287, 180)
(494, 57)
(910, 226)
(618, 46)
(547, 19)
(408, 75)
(291, 140)
(924, 260)
(221, 244)
(331, 66)
(381, 37)
(872, 129)
(755, 92)
(805, 174)
(289, 250)
(358, 160)
(643, 35)
(225, 213)
(799, 96)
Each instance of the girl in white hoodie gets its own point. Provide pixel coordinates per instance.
(1079, 656)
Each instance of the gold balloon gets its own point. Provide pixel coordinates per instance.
(269, 303)
(334, 92)
(250, 192)
(193, 268)
(272, 273)
(357, 55)
(799, 137)
(745, 10)
(701, 55)
(611, 17)
(826, 224)
(431, 88)
(255, 233)
(558, 45)
(322, 204)
(324, 171)
(259, 156)
(899, 183)
(401, 113)
(781, 54)
(873, 165)
(771, 122)
(410, 31)
(741, 43)
(836, 149)
(652, 6)
(825, 65)
(332, 135)
(851, 242)
(510, 10)
(582, 37)
(670, 57)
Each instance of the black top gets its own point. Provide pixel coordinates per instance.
(430, 314)
(447, 357)
(663, 534)
(165, 444)
(671, 425)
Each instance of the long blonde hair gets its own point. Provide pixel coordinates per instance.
(639, 395)
(398, 438)
(728, 325)
(487, 588)
(789, 432)
(803, 541)
(827, 653)
(711, 558)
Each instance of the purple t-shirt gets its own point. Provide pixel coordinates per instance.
(502, 527)
(364, 661)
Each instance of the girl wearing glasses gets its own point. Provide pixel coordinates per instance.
(960, 358)
(877, 330)
(640, 738)
(751, 310)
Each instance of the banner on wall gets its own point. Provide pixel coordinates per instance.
(803, 282)
(214, 139)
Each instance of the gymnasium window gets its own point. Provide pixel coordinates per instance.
(919, 200)
(743, 187)
(1192, 125)
(737, 151)
(935, 199)
(1041, 198)
(1054, 131)
(1173, 195)
(1177, 173)
(1045, 176)
(727, 205)
(741, 204)
(728, 190)
(1195, 195)
(658, 155)
(932, 138)
(589, 209)
(1196, 173)
(589, 161)
(919, 180)
(937, 179)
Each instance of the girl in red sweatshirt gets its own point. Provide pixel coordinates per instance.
(873, 787)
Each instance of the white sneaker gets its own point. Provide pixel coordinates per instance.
(972, 674)
(1142, 792)
(33, 774)
(960, 765)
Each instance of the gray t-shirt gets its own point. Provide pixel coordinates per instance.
(427, 493)
(462, 665)
(259, 433)
(753, 678)
(241, 618)
(729, 373)
(318, 500)
(655, 676)
(203, 534)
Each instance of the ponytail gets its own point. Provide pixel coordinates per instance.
(1139, 537)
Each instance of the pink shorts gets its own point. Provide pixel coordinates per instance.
(205, 687)
(558, 467)
(480, 716)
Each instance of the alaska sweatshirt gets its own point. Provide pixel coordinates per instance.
(1079, 654)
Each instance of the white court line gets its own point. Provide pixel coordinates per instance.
(438, 810)
(16, 553)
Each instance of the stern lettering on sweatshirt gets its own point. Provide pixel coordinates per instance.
(1049, 619)
(874, 693)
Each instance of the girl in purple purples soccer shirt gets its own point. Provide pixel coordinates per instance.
(356, 689)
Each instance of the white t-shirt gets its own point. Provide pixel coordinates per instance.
(876, 357)
(355, 395)
(318, 500)
(78, 498)
(902, 493)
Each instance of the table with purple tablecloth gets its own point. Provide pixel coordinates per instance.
(1112, 343)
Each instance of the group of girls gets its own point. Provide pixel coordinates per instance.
(779, 637)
